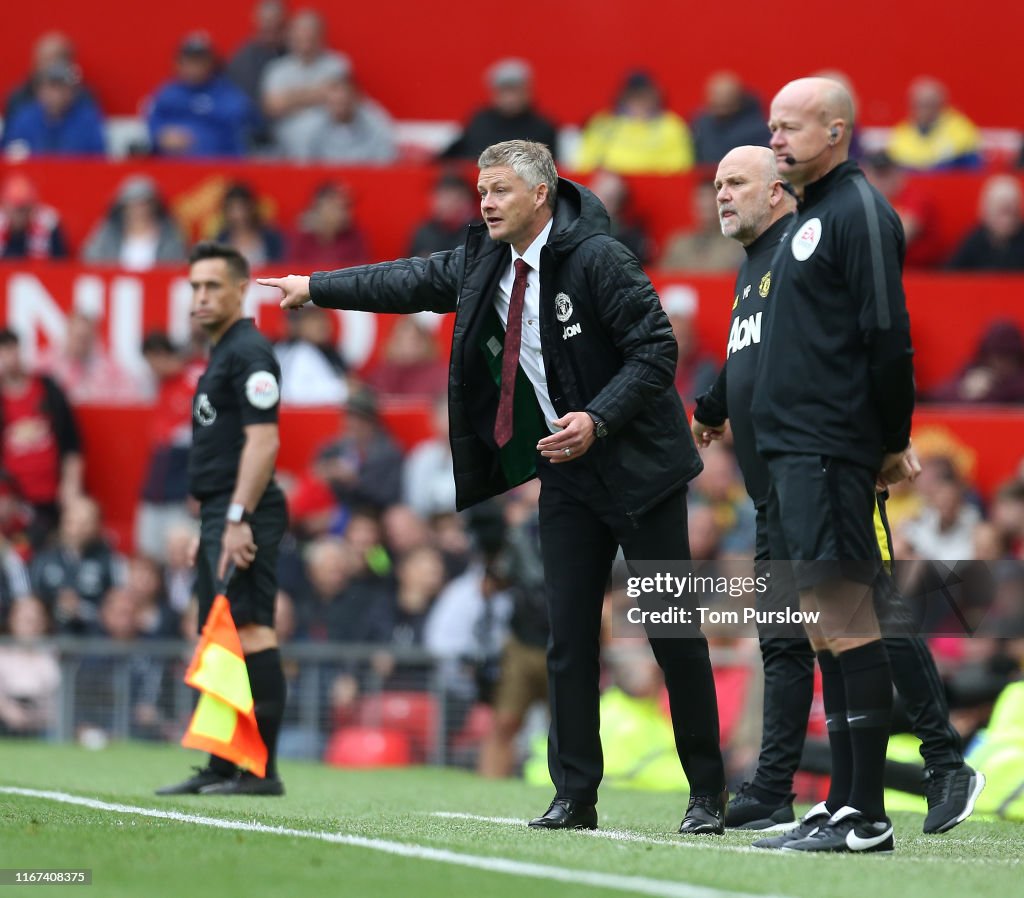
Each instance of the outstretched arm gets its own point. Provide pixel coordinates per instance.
(403, 286)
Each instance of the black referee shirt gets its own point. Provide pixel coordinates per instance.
(835, 374)
(241, 386)
(731, 394)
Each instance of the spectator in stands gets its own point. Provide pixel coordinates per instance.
(428, 481)
(245, 230)
(14, 579)
(145, 584)
(404, 530)
(327, 233)
(420, 576)
(29, 674)
(339, 606)
(732, 117)
(997, 243)
(913, 205)
(164, 497)
(74, 575)
(350, 128)
(511, 115)
(453, 206)
(60, 120)
(99, 684)
(179, 572)
(87, 373)
(40, 449)
(28, 228)
(944, 531)
(934, 135)
(52, 47)
(364, 465)
(994, 374)
(137, 233)
(15, 528)
(200, 113)
(702, 247)
(1007, 517)
(639, 137)
(297, 85)
(312, 371)
(614, 193)
(266, 44)
(411, 365)
(695, 369)
(720, 487)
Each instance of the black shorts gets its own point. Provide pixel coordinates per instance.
(821, 512)
(251, 592)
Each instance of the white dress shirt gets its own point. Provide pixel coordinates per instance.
(531, 358)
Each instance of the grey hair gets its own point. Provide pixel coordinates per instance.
(530, 160)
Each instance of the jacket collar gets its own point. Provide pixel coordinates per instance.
(814, 191)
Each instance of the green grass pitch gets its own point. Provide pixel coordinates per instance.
(381, 834)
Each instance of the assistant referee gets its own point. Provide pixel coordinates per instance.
(242, 509)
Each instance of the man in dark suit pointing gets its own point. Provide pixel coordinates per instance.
(562, 367)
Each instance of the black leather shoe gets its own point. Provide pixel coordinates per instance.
(704, 816)
(565, 813)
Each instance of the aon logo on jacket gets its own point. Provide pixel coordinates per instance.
(744, 332)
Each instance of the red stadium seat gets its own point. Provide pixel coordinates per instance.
(368, 747)
(411, 713)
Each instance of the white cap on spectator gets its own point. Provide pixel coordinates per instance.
(509, 73)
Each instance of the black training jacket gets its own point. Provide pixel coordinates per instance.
(835, 376)
(732, 392)
(613, 355)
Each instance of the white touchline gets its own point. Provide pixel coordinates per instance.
(708, 844)
(617, 835)
(639, 885)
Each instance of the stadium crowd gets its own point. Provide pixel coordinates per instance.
(376, 552)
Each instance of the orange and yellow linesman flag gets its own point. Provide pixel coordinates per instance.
(224, 722)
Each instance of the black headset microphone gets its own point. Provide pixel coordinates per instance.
(833, 137)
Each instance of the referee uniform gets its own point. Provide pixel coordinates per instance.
(241, 386)
(242, 510)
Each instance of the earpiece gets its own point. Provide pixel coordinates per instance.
(834, 134)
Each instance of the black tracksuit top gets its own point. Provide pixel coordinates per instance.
(835, 373)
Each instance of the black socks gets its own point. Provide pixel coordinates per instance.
(868, 680)
(833, 693)
(266, 679)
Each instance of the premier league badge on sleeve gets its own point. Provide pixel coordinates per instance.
(261, 390)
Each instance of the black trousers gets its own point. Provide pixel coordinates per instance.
(789, 680)
(582, 524)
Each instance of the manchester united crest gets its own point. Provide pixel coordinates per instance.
(765, 286)
(563, 307)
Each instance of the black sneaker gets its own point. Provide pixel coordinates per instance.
(747, 811)
(704, 815)
(204, 777)
(245, 783)
(847, 831)
(951, 797)
(808, 825)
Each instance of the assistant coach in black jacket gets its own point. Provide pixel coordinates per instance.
(562, 367)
